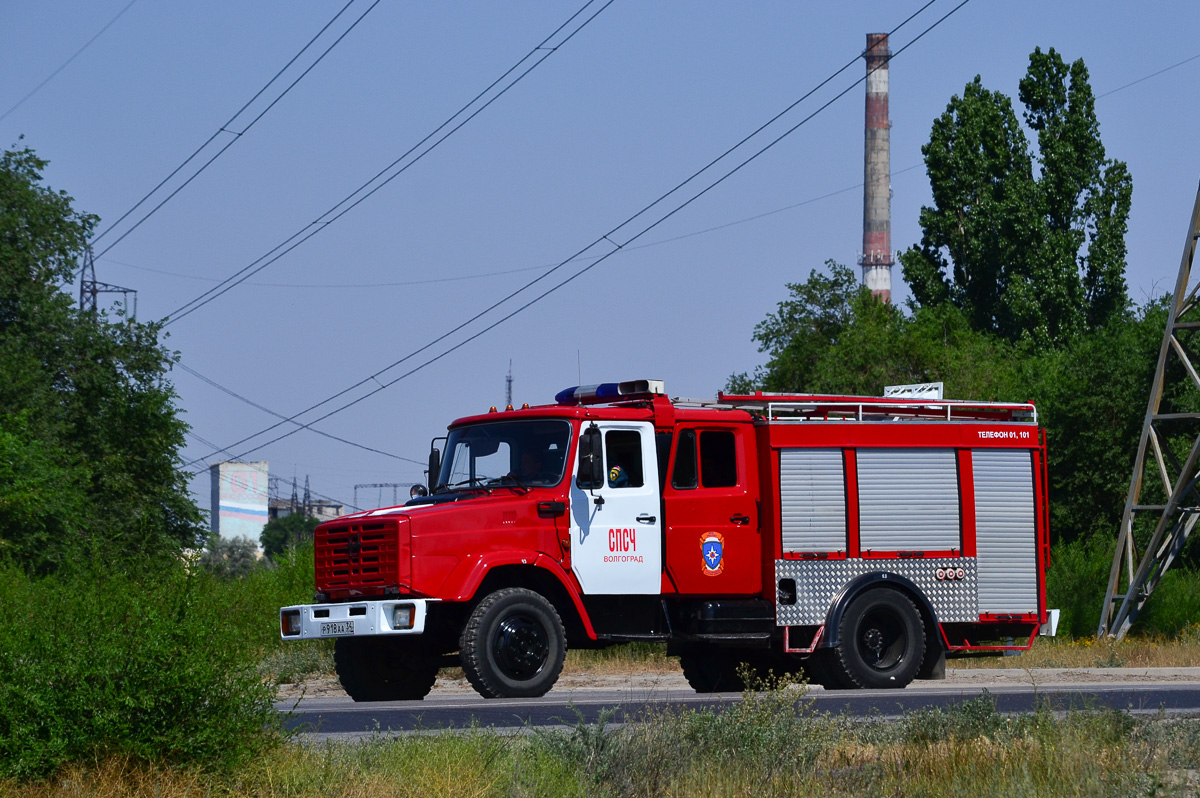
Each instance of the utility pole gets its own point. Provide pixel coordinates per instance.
(90, 287)
(1178, 515)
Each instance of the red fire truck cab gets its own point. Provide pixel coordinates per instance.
(860, 539)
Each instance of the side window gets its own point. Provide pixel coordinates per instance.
(718, 459)
(623, 450)
(684, 475)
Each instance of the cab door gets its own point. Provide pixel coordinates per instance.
(714, 545)
(616, 537)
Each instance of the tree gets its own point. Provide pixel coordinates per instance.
(281, 533)
(229, 558)
(801, 330)
(832, 336)
(84, 397)
(1030, 246)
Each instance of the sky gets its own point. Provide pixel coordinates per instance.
(605, 116)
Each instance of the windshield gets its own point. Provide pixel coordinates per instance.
(528, 453)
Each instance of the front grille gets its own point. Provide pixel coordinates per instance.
(360, 558)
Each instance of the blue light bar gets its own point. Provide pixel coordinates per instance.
(610, 391)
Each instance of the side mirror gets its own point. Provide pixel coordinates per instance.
(591, 461)
(417, 491)
(435, 466)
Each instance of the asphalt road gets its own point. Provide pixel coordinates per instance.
(1172, 691)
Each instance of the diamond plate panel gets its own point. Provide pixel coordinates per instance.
(819, 581)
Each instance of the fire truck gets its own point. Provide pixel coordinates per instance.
(861, 540)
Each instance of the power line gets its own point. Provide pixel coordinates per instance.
(607, 237)
(66, 63)
(321, 222)
(271, 412)
(327, 286)
(233, 458)
(626, 249)
(1151, 75)
(505, 272)
(236, 134)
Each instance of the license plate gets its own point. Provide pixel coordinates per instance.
(337, 628)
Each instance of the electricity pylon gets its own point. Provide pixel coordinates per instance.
(1178, 367)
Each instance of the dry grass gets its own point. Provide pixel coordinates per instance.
(766, 746)
(453, 766)
(1182, 651)
(639, 657)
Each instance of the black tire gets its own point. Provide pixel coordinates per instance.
(819, 670)
(513, 645)
(934, 665)
(711, 670)
(881, 641)
(384, 668)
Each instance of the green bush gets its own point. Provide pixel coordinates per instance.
(1076, 582)
(1175, 605)
(156, 664)
(1078, 577)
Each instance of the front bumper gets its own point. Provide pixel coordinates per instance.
(353, 619)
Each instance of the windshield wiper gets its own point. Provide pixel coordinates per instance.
(513, 478)
(472, 482)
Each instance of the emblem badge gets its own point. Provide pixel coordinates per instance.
(712, 551)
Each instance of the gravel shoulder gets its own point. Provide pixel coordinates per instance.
(654, 681)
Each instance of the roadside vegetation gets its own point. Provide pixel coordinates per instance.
(772, 743)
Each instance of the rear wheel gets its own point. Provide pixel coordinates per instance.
(513, 645)
(881, 641)
(383, 668)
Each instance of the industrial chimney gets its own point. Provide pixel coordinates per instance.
(876, 258)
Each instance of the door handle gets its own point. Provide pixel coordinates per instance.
(740, 520)
(645, 519)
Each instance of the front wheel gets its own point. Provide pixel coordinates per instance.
(383, 668)
(881, 641)
(513, 645)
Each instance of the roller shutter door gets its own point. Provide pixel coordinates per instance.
(908, 500)
(812, 500)
(1005, 530)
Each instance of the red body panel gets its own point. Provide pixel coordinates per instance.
(693, 513)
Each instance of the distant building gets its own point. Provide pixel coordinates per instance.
(239, 499)
(320, 509)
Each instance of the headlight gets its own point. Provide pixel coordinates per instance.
(402, 616)
(289, 623)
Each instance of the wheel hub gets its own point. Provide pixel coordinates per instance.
(521, 647)
(873, 639)
(882, 640)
